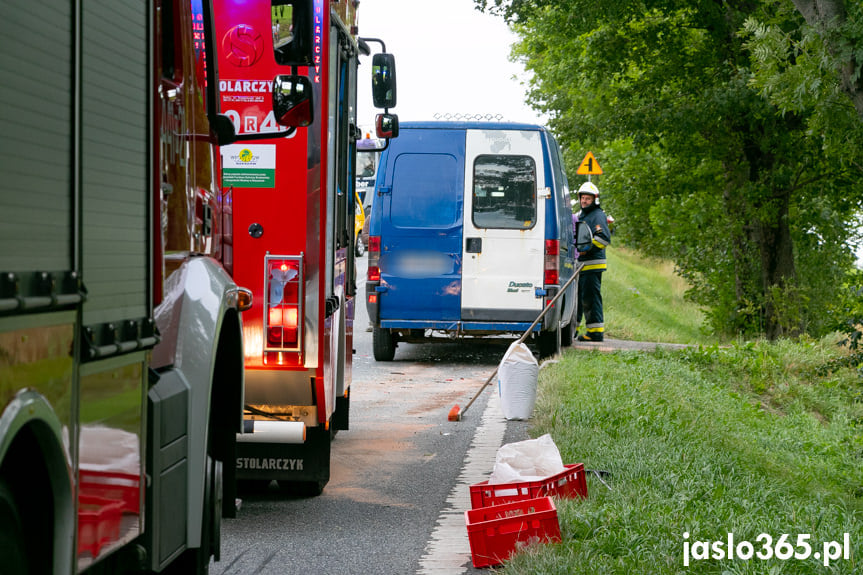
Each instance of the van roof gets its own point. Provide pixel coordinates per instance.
(470, 125)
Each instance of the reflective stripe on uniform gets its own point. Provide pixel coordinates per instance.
(594, 265)
(595, 327)
(599, 242)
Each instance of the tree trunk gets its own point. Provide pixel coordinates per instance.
(771, 232)
(778, 273)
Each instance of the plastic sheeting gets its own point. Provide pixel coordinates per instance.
(530, 460)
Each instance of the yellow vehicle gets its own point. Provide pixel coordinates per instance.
(359, 222)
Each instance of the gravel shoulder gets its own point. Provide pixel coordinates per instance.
(610, 344)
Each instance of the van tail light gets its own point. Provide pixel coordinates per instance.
(283, 303)
(551, 275)
(374, 272)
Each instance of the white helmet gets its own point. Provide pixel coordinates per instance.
(588, 188)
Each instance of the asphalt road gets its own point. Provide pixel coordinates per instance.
(395, 473)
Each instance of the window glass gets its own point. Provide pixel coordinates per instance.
(366, 165)
(427, 191)
(292, 32)
(559, 174)
(504, 192)
(283, 26)
(169, 40)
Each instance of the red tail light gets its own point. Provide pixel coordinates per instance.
(282, 326)
(374, 272)
(284, 316)
(375, 245)
(551, 274)
(283, 303)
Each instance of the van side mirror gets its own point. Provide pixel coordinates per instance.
(292, 101)
(384, 80)
(387, 126)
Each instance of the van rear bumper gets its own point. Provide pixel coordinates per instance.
(462, 327)
(496, 315)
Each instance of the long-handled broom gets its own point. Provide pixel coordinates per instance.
(456, 413)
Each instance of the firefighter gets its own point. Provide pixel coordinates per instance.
(592, 236)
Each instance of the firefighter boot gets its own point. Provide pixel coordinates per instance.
(590, 337)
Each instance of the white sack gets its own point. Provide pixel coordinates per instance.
(517, 375)
(530, 460)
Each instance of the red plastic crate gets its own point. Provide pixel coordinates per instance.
(498, 531)
(569, 483)
(123, 487)
(98, 522)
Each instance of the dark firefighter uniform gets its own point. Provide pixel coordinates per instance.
(592, 236)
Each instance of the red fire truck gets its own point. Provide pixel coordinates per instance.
(288, 80)
(121, 355)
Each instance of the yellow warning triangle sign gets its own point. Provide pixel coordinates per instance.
(589, 166)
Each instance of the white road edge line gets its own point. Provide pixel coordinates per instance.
(448, 549)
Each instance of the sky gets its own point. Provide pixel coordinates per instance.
(450, 59)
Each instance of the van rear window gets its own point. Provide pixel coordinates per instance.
(427, 191)
(504, 192)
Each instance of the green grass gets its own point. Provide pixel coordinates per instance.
(644, 301)
(749, 438)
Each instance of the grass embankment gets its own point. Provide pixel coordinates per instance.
(747, 439)
(644, 301)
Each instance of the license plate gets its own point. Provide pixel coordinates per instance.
(423, 265)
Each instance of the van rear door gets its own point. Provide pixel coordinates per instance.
(504, 227)
(421, 226)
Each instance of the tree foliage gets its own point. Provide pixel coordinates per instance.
(721, 128)
(839, 30)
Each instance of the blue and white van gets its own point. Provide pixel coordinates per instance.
(470, 236)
